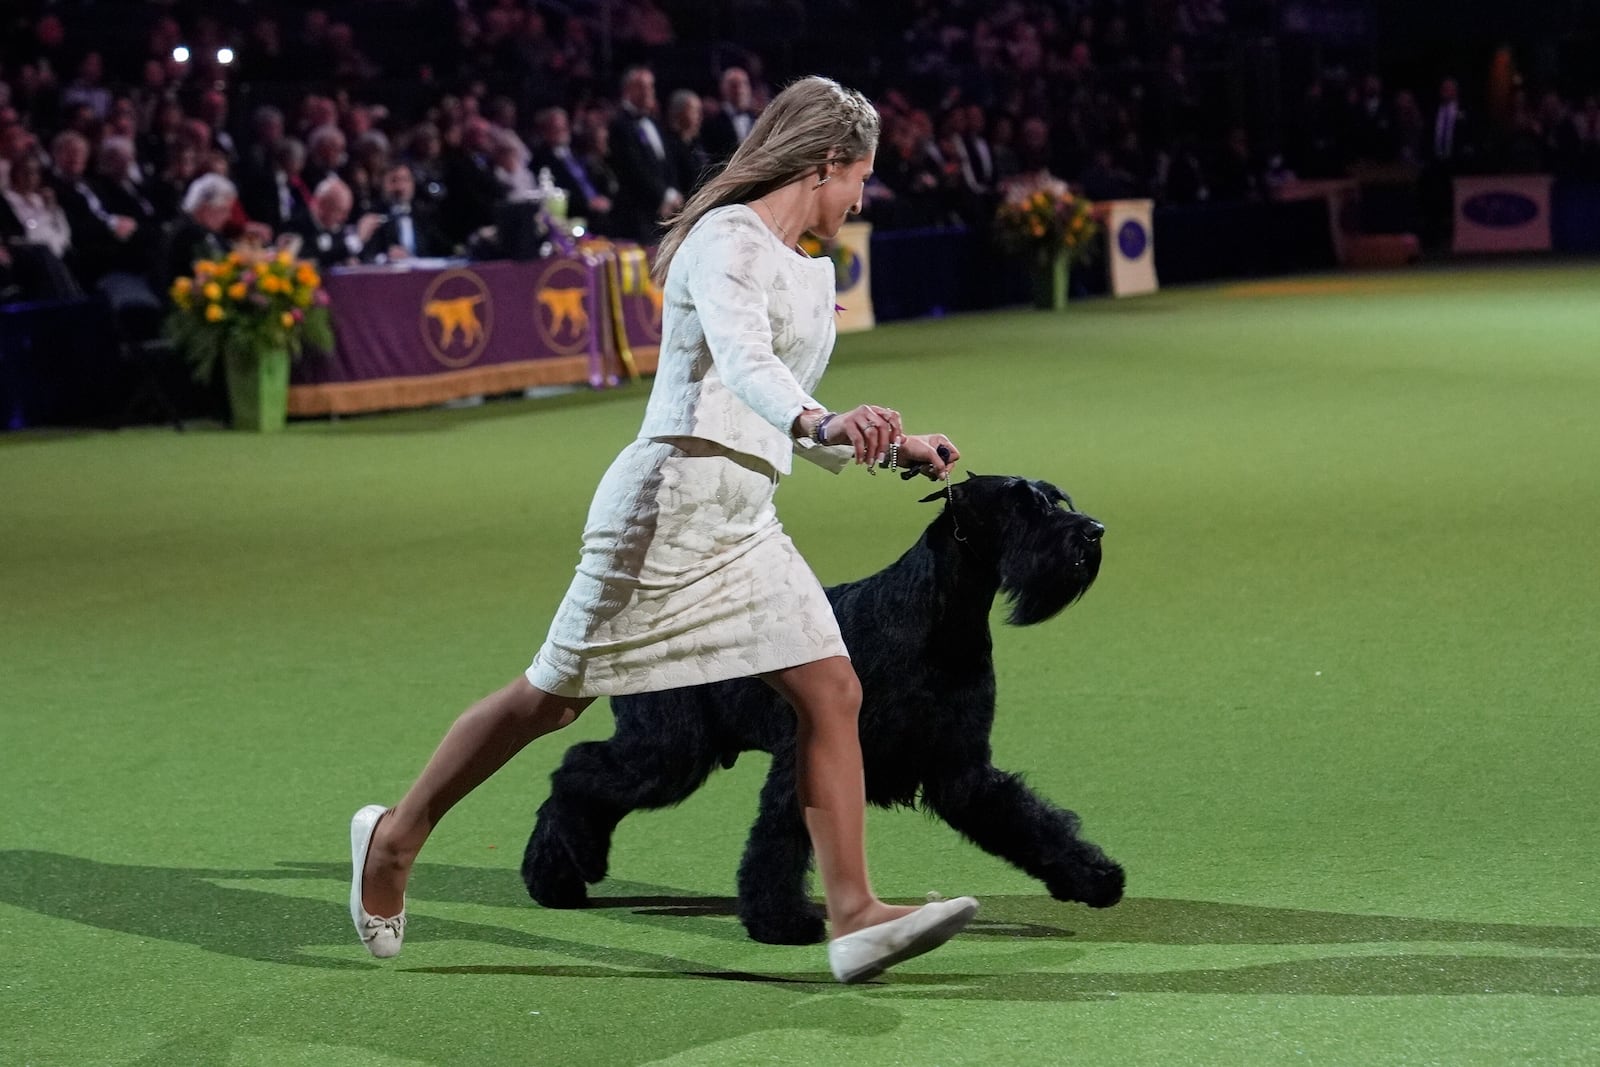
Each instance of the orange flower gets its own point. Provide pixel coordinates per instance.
(214, 313)
(287, 320)
(236, 291)
(212, 291)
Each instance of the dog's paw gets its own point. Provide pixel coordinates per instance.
(555, 886)
(804, 927)
(550, 874)
(1099, 886)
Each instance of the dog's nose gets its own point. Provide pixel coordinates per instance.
(1094, 530)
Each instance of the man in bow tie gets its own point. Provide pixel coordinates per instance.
(644, 167)
(726, 128)
(325, 233)
(408, 229)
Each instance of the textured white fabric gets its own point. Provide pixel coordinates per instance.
(746, 330)
(686, 575)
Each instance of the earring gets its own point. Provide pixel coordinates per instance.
(823, 180)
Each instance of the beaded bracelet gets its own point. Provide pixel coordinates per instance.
(819, 433)
(891, 462)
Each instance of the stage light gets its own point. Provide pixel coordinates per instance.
(224, 56)
(180, 54)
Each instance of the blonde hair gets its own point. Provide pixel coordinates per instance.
(814, 122)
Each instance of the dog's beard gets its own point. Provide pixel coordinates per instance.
(1042, 575)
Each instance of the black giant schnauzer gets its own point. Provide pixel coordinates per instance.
(919, 638)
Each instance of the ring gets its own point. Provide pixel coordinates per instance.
(871, 425)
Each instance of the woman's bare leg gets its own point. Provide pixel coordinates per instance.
(478, 743)
(826, 696)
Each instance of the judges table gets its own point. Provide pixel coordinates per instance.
(427, 333)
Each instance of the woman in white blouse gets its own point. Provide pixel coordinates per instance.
(686, 575)
(34, 204)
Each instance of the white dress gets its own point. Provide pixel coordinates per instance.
(686, 575)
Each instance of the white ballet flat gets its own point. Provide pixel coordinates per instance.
(381, 936)
(868, 953)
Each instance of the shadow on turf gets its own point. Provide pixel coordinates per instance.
(193, 906)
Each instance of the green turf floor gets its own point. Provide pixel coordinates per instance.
(1332, 703)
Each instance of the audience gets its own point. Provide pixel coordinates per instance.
(410, 123)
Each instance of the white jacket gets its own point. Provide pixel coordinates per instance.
(746, 331)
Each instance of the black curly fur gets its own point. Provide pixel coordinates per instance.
(919, 637)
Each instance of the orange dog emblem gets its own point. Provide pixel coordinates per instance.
(565, 307)
(456, 315)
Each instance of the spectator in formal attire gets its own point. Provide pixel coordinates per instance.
(691, 161)
(1451, 148)
(266, 130)
(592, 142)
(726, 127)
(409, 228)
(35, 235)
(277, 195)
(326, 154)
(121, 195)
(212, 109)
(326, 235)
(369, 158)
(984, 168)
(99, 234)
(424, 150)
(585, 200)
(511, 168)
(639, 155)
(1451, 141)
(172, 181)
(197, 233)
(37, 217)
(473, 189)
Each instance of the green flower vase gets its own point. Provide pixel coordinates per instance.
(1050, 276)
(258, 389)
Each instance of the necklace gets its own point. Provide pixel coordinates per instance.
(783, 231)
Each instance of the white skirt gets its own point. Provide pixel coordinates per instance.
(686, 577)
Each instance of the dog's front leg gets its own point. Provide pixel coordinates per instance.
(774, 897)
(1001, 815)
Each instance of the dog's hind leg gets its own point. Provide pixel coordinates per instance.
(775, 905)
(596, 786)
(997, 812)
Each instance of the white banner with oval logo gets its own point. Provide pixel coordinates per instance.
(1131, 244)
(1509, 213)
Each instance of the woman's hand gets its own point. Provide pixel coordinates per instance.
(870, 428)
(922, 450)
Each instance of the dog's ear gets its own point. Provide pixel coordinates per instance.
(937, 494)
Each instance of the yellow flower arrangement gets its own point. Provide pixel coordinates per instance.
(1044, 217)
(249, 302)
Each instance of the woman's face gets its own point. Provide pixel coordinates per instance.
(840, 197)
